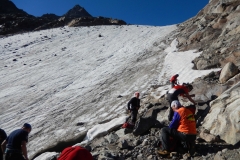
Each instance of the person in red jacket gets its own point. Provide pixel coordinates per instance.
(75, 153)
(182, 127)
(174, 80)
(179, 90)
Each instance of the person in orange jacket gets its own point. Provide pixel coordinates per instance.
(75, 153)
(182, 127)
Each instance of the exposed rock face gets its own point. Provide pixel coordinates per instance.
(215, 31)
(14, 20)
(223, 118)
(89, 21)
(228, 71)
(8, 7)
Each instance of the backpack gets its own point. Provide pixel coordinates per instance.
(127, 125)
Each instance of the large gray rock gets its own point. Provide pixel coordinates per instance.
(223, 118)
(228, 71)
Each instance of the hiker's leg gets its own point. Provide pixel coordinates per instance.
(191, 143)
(166, 133)
(128, 118)
(14, 156)
(134, 116)
(178, 135)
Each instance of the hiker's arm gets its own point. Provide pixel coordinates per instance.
(190, 99)
(3, 146)
(24, 149)
(192, 95)
(129, 103)
(175, 121)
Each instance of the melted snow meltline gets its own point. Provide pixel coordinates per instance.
(102, 129)
(181, 63)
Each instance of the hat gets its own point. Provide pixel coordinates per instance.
(26, 125)
(176, 104)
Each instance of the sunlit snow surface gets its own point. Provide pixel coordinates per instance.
(59, 78)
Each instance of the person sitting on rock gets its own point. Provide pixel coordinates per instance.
(174, 80)
(182, 90)
(182, 128)
(133, 106)
(75, 153)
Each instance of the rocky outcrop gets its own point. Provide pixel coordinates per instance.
(94, 21)
(223, 118)
(214, 31)
(228, 71)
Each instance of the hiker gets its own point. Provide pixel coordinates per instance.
(182, 90)
(3, 136)
(15, 144)
(75, 153)
(182, 128)
(133, 106)
(174, 80)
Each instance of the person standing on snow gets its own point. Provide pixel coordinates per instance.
(182, 90)
(174, 80)
(133, 106)
(3, 136)
(15, 146)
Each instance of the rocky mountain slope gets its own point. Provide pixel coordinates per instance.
(14, 20)
(215, 32)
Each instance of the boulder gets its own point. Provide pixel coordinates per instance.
(205, 134)
(147, 121)
(223, 118)
(228, 71)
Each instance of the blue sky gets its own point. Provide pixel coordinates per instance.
(142, 12)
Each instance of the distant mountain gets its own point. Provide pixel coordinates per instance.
(8, 7)
(14, 20)
(76, 12)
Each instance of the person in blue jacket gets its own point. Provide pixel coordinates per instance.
(182, 127)
(15, 145)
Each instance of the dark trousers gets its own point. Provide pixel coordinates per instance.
(133, 116)
(170, 99)
(1, 156)
(179, 136)
(14, 156)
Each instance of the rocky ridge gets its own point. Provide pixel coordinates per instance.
(14, 20)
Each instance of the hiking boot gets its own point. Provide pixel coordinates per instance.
(163, 153)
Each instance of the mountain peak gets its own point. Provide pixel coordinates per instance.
(76, 12)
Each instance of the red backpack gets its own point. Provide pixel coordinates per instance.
(127, 125)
